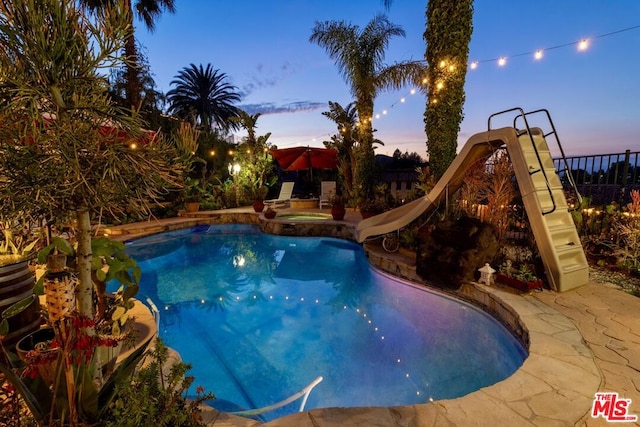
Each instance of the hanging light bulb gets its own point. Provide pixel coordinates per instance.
(538, 54)
(474, 65)
(502, 61)
(583, 45)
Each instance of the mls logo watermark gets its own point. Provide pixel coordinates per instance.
(612, 408)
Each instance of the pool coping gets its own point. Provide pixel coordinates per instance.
(554, 386)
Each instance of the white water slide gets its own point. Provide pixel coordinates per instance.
(542, 194)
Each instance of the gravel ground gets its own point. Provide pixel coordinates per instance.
(621, 280)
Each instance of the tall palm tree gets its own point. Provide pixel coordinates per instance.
(202, 96)
(148, 11)
(359, 55)
(344, 141)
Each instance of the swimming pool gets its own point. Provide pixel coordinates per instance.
(261, 316)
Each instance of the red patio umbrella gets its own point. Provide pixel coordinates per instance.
(302, 158)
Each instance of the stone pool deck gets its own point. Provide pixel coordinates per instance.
(580, 342)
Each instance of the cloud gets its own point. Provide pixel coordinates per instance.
(291, 107)
(264, 77)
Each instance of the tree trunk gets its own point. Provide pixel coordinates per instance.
(84, 292)
(448, 33)
(365, 157)
(131, 61)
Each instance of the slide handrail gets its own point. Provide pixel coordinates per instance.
(540, 169)
(304, 392)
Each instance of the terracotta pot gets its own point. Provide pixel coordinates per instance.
(258, 205)
(338, 212)
(192, 206)
(269, 214)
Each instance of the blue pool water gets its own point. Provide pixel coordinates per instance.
(261, 316)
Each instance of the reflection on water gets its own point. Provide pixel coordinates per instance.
(261, 316)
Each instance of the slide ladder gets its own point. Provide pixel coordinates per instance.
(546, 205)
(542, 194)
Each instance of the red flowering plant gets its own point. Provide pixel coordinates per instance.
(57, 380)
(61, 374)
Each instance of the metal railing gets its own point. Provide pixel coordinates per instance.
(304, 393)
(604, 178)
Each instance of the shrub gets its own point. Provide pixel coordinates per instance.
(156, 397)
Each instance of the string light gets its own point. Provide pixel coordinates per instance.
(581, 45)
(398, 360)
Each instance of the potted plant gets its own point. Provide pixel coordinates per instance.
(269, 213)
(521, 277)
(371, 208)
(19, 308)
(338, 209)
(378, 203)
(258, 200)
(192, 193)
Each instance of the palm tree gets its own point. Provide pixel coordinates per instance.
(359, 54)
(249, 122)
(202, 96)
(345, 141)
(148, 11)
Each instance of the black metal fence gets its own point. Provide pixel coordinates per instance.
(604, 178)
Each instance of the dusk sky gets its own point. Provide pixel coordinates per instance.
(263, 46)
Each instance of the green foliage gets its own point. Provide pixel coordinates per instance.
(448, 33)
(380, 201)
(45, 404)
(256, 173)
(204, 98)
(523, 273)
(344, 142)
(193, 190)
(17, 241)
(62, 156)
(409, 238)
(66, 147)
(157, 397)
(628, 230)
(109, 261)
(359, 55)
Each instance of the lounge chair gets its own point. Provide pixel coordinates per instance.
(283, 198)
(327, 191)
